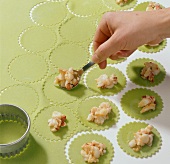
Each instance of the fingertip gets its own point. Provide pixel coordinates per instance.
(103, 64)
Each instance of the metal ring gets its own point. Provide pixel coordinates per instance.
(11, 112)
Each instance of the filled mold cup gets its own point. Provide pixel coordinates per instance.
(14, 127)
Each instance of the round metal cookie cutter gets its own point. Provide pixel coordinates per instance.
(11, 112)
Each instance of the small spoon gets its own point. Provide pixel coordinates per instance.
(85, 68)
(81, 71)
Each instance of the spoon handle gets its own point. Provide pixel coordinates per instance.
(87, 66)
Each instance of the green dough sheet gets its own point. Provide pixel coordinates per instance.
(20, 95)
(20, 68)
(134, 70)
(147, 48)
(77, 30)
(37, 39)
(131, 99)
(125, 135)
(48, 13)
(84, 110)
(13, 129)
(83, 8)
(75, 148)
(74, 105)
(61, 56)
(58, 95)
(40, 123)
(96, 72)
(38, 151)
(112, 5)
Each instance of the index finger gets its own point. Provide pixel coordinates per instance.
(102, 34)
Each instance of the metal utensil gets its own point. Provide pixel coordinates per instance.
(81, 71)
(15, 113)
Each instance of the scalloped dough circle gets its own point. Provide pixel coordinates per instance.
(59, 95)
(84, 110)
(40, 123)
(134, 69)
(126, 134)
(142, 6)
(130, 100)
(96, 72)
(153, 49)
(84, 8)
(20, 95)
(28, 68)
(69, 55)
(77, 29)
(48, 13)
(75, 148)
(111, 4)
(37, 39)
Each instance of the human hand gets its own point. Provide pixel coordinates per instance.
(119, 34)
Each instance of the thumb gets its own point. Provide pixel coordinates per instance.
(111, 46)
